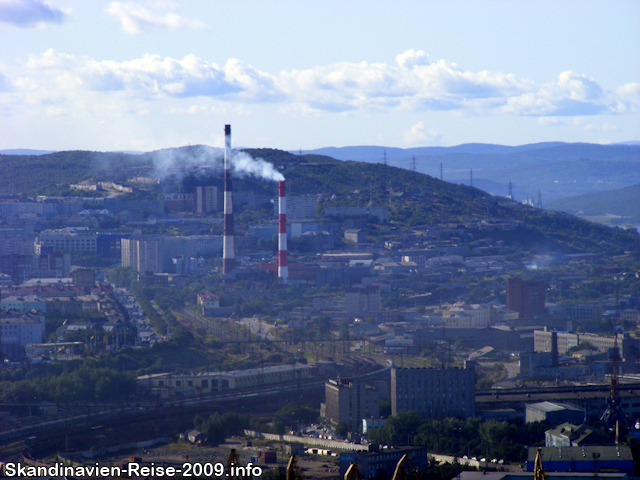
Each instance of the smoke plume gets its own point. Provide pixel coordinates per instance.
(201, 157)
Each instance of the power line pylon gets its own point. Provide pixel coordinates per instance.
(413, 164)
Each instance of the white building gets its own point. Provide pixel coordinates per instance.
(68, 239)
(18, 329)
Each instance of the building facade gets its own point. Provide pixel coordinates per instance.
(360, 300)
(206, 200)
(526, 297)
(350, 401)
(434, 392)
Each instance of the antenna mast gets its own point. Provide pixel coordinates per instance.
(471, 177)
(384, 157)
(413, 164)
(440, 171)
(510, 194)
(539, 204)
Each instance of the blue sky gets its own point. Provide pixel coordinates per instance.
(149, 74)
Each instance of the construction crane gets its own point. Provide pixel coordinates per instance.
(233, 462)
(352, 472)
(401, 473)
(292, 470)
(538, 471)
(613, 417)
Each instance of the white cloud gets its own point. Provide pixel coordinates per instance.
(609, 128)
(31, 13)
(418, 136)
(414, 83)
(137, 19)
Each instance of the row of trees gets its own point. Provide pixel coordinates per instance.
(471, 437)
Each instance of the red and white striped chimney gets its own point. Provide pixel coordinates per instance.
(228, 250)
(283, 269)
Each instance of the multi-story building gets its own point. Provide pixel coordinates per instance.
(462, 315)
(299, 207)
(434, 392)
(24, 303)
(143, 254)
(360, 300)
(206, 199)
(26, 267)
(526, 297)
(68, 239)
(348, 400)
(179, 202)
(17, 244)
(543, 342)
(586, 311)
(18, 329)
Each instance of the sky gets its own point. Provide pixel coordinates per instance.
(150, 74)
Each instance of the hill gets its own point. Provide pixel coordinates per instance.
(414, 199)
(622, 204)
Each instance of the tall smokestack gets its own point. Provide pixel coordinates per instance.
(228, 250)
(283, 269)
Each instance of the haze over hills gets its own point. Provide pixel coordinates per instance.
(555, 169)
(620, 206)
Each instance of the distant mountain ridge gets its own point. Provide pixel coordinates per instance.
(25, 151)
(554, 170)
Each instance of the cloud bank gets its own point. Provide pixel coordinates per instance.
(31, 13)
(414, 82)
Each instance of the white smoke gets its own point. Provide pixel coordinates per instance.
(244, 164)
(201, 157)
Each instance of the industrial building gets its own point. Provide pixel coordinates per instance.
(434, 392)
(168, 385)
(554, 413)
(583, 459)
(383, 463)
(350, 401)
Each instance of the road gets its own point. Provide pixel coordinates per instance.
(258, 328)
